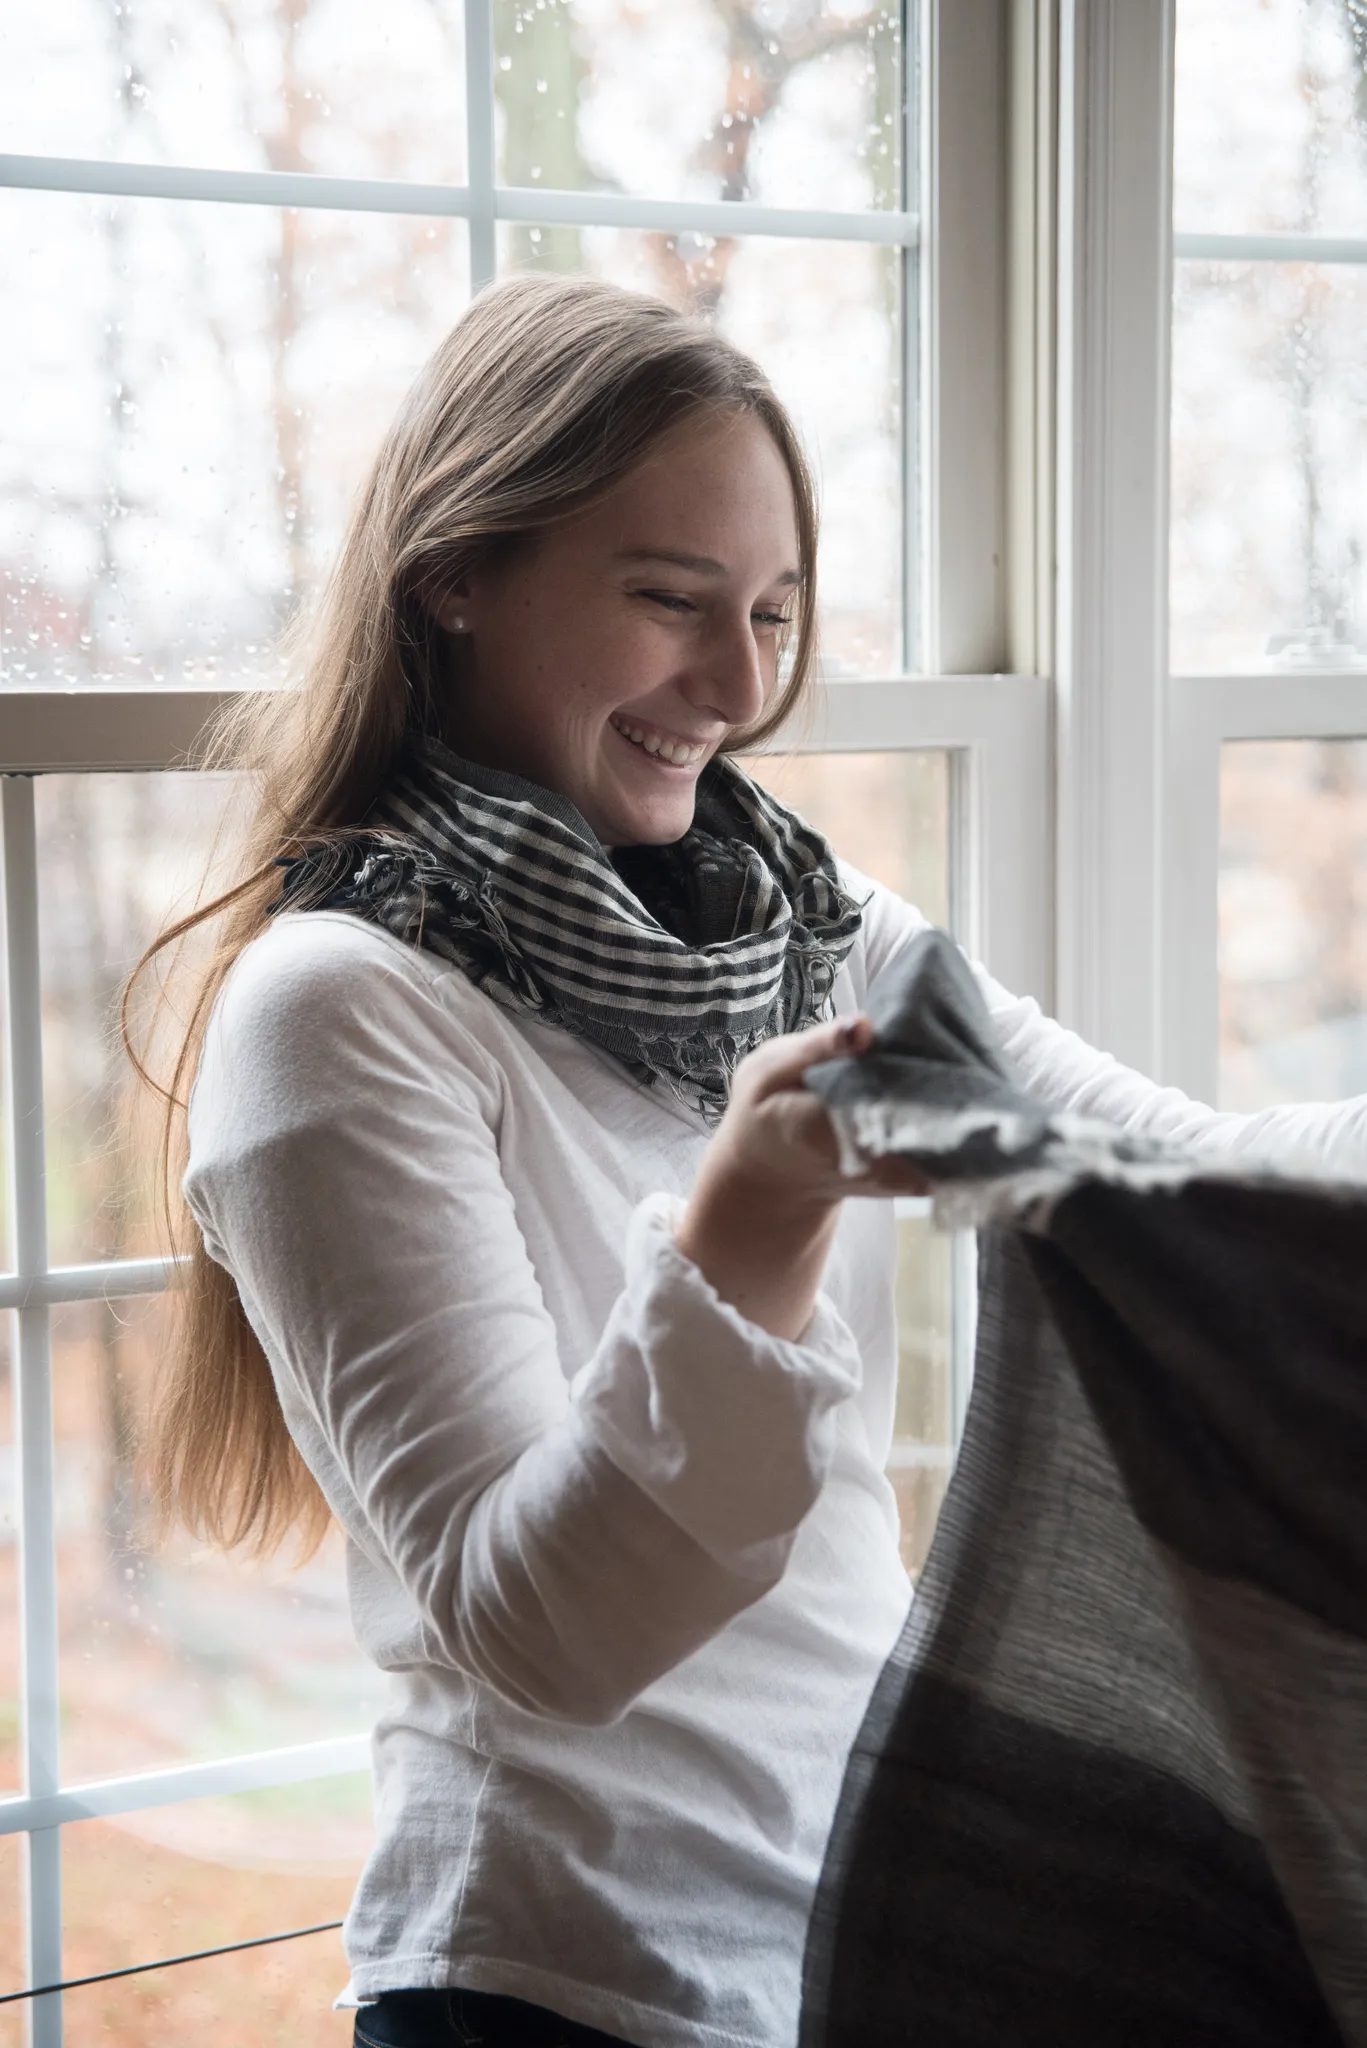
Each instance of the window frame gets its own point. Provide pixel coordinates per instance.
(1204, 712)
(1138, 756)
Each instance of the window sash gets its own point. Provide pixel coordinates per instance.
(1136, 885)
(1203, 713)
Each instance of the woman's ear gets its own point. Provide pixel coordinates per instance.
(447, 605)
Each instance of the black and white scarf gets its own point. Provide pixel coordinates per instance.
(675, 959)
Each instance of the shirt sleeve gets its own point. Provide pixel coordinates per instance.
(1067, 1073)
(1063, 1070)
(565, 1541)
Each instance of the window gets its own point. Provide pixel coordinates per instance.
(233, 233)
(1269, 521)
(1066, 296)
(1208, 549)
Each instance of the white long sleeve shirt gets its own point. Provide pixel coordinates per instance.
(631, 1561)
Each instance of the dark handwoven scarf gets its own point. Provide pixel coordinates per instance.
(675, 959)
(1111, 1789)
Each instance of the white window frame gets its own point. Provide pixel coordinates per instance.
(1203, 713)
(1139, 749)
(963, 583)
(1114, 299)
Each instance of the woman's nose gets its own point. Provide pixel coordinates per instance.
(730, 681)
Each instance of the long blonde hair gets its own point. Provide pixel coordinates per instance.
(543, 396)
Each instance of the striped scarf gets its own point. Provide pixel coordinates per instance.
(677, 959)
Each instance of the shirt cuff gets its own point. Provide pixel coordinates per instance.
(728, 1429)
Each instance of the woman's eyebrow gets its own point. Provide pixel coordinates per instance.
(704, 565)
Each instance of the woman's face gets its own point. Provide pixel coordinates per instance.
(610, 657)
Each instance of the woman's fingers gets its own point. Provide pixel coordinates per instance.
(764, 1205)
(859, 1034)
(783, 1061)
(894, 1176)
(780, 1065)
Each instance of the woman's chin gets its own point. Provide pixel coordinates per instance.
(656, 823)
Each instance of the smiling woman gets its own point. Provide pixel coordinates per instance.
(517, 1243)
(476, 1038)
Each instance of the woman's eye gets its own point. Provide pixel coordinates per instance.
(675, 601)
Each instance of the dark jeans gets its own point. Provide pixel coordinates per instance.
(469, 2019)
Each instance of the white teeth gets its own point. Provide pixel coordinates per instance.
(677, 752)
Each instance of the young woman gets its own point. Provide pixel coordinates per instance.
(511, 1251)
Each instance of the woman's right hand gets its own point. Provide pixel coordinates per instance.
(767, 1198)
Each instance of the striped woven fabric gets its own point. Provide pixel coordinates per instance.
(1112, 1785)
(675, 959)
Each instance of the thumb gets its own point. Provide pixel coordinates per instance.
(782, 1063)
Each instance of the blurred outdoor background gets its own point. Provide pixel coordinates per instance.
(1269, 513)
(195, 392)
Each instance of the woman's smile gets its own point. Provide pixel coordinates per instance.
(666, 749)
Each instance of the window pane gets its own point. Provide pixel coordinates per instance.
(1269, 450)
(923, 1440)
(823, 319)
(791, 105)
(118, 857)
(888, 815)
(1271, 117)
(170, 1652)
(11, 1775)
(6, 1236)
(269, 85)
(194, 394)
(13, 1969)
(174, 1879)
(1293, 921)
